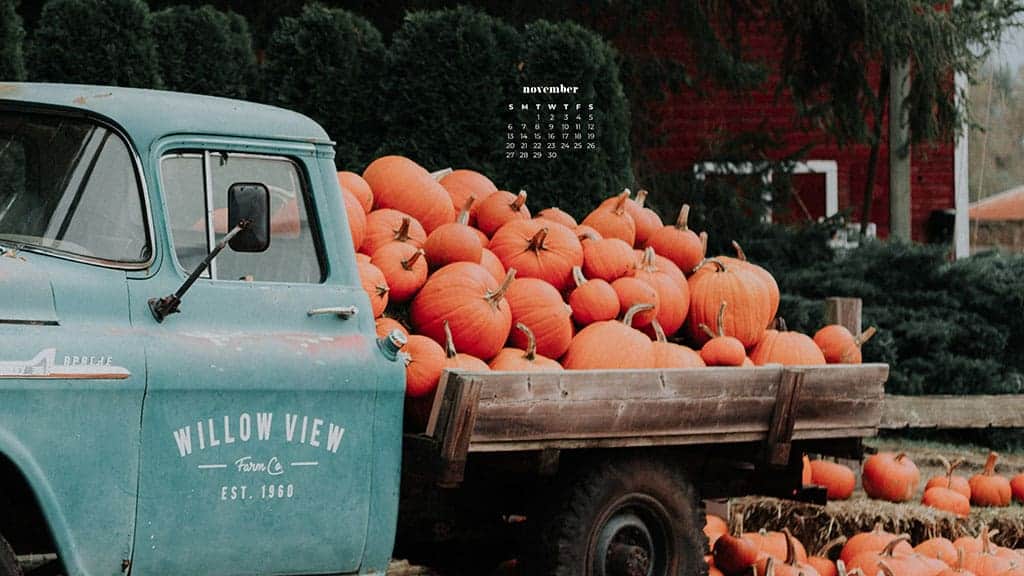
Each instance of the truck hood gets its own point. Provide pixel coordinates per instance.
(26, 294)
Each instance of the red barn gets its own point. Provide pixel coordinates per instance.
(831, 178)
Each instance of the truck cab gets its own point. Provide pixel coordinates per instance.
(239, 435)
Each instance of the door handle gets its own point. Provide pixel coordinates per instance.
(343, 312)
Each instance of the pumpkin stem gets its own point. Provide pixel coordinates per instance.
(641, 197)
(720, 320)
(519, 202)
(402, 234)
(464, 213)
(497, 295)
(739, 251)
(769, 566)
(715, 261)
(659, 332)
(588, 235)
(949, 470)
(865, 336)
(411, 260)
(703, 244)
(684, 217)
(648, 263)
(633, 311)
(537, 242)
(531, 342)
(827, 546)
(381, 290)
(704, 328)
(439, 174)
(449, 344)
(841, 568)
(959, 566)
(990, 463)
(885, 568)
(891, 546)
(986, 541)
(780, 324)
(578, 277)
(790, 548)
(620, 205)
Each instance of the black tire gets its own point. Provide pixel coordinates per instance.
(622, 517)
(8, 561)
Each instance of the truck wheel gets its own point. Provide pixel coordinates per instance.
(8, 561)
(628, 517)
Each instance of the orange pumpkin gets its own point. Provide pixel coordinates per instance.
(356, 218)
(454, 242)
(461, 184)
(585, 233)
(385, 325)
(490, 262)
(889, 476)
(766, 278)
(593, 300)
(720, 349)
(383, 226)
(467, 296)
(375, 286)
(608, 259)
(839, 346)
(744, 293)
(678, 243)
(612, 220)
(1017, 487)
(736, 552)
(988, 488)
(714, 528)
(537, 304)
(539, 249)
(948, 500)
(355, 184)
(455, 360)
(673, 295)
(821, 561)
(939, 548)
(361, 257)
(949, 480)
(500, 208)
(633, 291)
(873, 541)
(554, 214)
(669, 355)
(903, 564)
(787, 348)
(424, 362)
(956, 566)
(837, 479)
(647, 221)
(790, 565)
(404, 269)
(611, 345)
(399, 183)
(988, 561)
(517, 360)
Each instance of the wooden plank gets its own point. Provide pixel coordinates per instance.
(953, 412)
(845, 312)
(780, 429)
(462, 399)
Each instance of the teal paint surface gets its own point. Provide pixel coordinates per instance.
(106, 449)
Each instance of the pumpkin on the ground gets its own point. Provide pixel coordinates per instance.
(890, 476)
(989, 488)
(399, 183)
(1017, 487)
(518, 360)
(790, 564)
(467, 296)
(950, 480)
(838, 479)
(947, 500)
(678, 243)
(939, 548)
(873, 541)
(539, 249)
(500, 208)
(611, 345)
(735, 552)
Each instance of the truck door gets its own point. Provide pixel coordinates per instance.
(256, 432)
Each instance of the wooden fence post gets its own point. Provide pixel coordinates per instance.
(845, 312)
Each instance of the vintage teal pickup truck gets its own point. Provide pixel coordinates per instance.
(164, 411)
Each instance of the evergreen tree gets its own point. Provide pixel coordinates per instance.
(328, 64)
(94, 42)
(204, 51)
(12, 61)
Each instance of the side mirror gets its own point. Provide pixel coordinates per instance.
(250, 202)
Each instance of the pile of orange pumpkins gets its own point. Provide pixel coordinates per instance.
(866, 553)
(478, 282)
(895, 478)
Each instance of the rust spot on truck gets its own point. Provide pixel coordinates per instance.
(83, 100)
(8, 88)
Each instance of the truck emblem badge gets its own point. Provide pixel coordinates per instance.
(44, 366)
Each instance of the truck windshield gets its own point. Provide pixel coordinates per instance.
(69, 185)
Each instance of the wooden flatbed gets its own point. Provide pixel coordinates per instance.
(507, 412)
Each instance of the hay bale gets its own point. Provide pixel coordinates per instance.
(815, 525)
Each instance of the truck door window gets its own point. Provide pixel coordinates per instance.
(70, 185)
(293, 255)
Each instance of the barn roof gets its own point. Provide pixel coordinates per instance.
(1004, 206)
